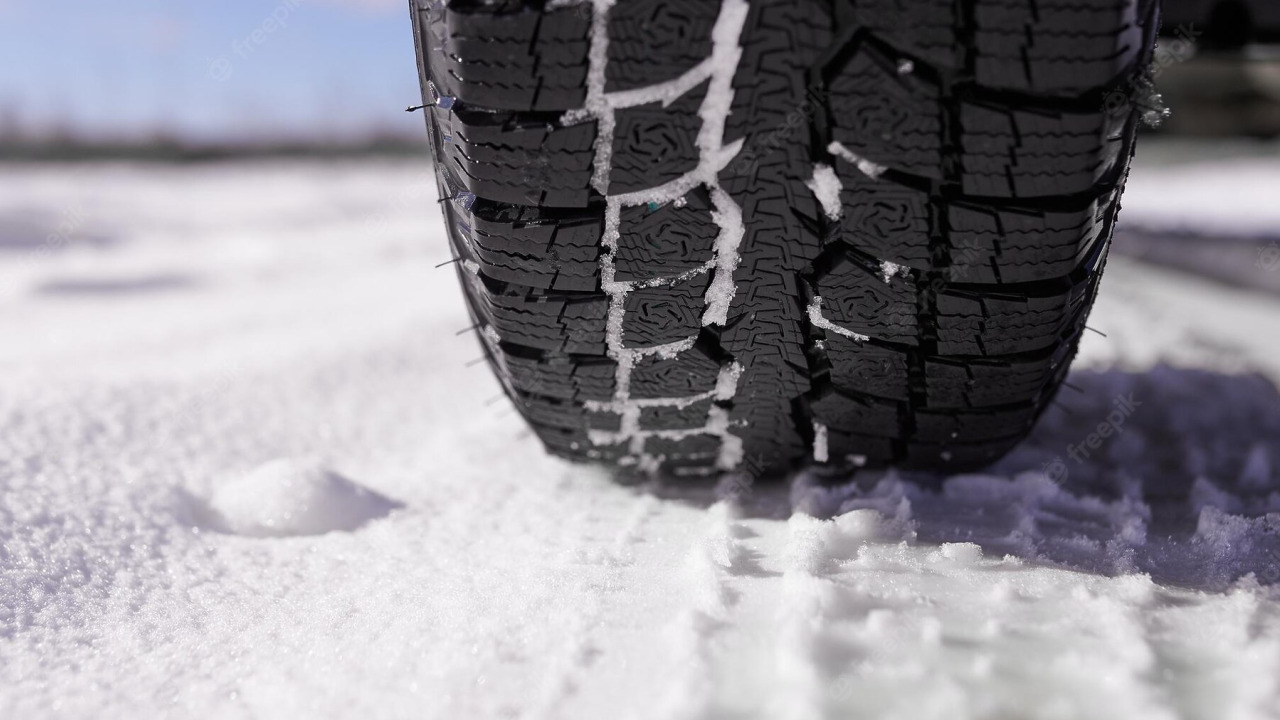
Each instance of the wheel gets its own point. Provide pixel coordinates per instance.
(739, 235)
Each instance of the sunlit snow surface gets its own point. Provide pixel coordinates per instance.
(247, 469)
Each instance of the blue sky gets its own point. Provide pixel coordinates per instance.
(320, 68)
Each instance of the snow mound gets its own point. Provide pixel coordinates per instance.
(291, 497)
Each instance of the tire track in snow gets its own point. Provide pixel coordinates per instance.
(572, 667)
(813, 605)
(756, 631)
(891, 617)
(804, 621)
(863, 621)
(712, 568)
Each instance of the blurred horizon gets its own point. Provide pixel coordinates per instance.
(163, 79)
(154, 72)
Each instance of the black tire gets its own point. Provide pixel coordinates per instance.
(926, 188)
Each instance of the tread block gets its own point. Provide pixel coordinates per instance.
(976, 384)
(663, 314)
(554, 412)
(688, 417)
(699, 446)
(563, 377)
(507, 57)
(891, 119)
(858, 416)
(895, 120)
(856, 297)
(1050, 47)
(519, 159)
(770, 327)
(997, 245)
(653, 41)
(922, 28)
(868, 369)
(987, 243)
(689, 373)
(665, 241)
(883, 219)
(653, 145)
(1059, 46)
(780, 42)
(1025, 154)
(974, 324)
(530, 247)
(559, 323)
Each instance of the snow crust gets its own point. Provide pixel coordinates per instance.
(302, 316)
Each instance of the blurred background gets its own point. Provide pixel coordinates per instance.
(139, 78)
(148, 146)
(177, 151)
(157, 78)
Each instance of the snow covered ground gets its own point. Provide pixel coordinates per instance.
(248, 469)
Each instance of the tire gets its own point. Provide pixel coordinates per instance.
(700, 236)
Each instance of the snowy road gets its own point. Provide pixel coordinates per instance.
(171, 333)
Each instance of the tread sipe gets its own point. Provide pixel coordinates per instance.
(712, 235)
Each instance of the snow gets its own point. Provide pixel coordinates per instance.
(821, 452)
(597, 102)
(721, 290)
(818, 320)
(1213, 215)
(291, 496)
(826, 186)
(889, 269)
(416, 554)
(867, 167)
(1231, 192)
